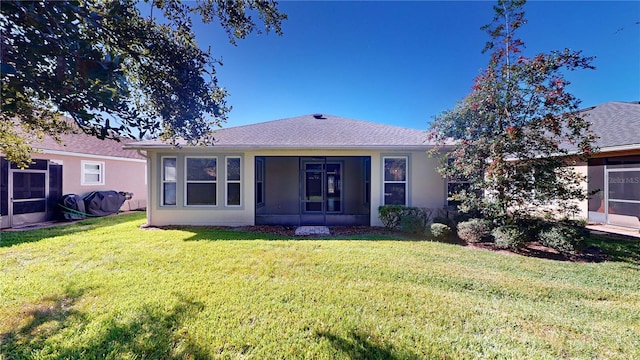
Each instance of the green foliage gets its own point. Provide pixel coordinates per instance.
(443, 220)
(412, 224)
(474, 230)
(392, 216)
(519, 108)
(113, 71)
(389, 215)
(561, 237)
(509, 236)
(438, 231)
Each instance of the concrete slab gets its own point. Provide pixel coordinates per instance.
(312, 230)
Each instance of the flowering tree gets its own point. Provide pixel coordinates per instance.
(518, 130)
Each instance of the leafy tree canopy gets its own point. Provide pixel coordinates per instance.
(113, 71)
(515, 131)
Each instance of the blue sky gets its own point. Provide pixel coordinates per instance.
(402, 63)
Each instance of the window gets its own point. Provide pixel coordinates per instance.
(233, 181)
(260, 182)
(92, 173)
(455, 186)
(201, 174)
(168, 181)
(395, 180)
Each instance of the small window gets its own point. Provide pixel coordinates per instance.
(168, 181)
(260, 182)
(201, 181)
(395, 180)
(233, 187)
(92, 173)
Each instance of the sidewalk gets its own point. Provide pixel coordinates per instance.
(617, 230)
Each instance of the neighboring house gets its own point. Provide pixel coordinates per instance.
(81, 164)
(308, 170)
(614, 172)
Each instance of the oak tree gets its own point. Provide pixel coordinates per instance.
(114, 71)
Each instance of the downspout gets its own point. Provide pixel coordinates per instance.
(145, 155)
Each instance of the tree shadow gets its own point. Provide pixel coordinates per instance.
(286, 233)
(617, 247)
(359, 346)
(154, 332)
(11, 237)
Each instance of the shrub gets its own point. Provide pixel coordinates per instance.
(392, 216)
(443, 220)
(563, 238)
(509, 236)
(412, 224)
(438, 231)
(474, 230)
(389, 215)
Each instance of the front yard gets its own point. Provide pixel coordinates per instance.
(104, 288)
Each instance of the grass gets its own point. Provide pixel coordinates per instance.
(104, 288)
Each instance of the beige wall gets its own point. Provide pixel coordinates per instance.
(120, 175)
(426, 187)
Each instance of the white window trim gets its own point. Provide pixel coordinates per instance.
(186, 181)
(405, 182)
(84, 172)
(163, 181)
(227, 181)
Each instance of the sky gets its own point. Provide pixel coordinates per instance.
(402, 63)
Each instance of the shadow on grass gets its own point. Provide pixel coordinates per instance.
(15, 237)
(226, 233)
(359, 346)
(152, 333)
(617, 248)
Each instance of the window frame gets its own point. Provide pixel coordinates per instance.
(405, 182)
(100, 172)
(260, 173)
(227, 181)
(163, 181)
(187, 181)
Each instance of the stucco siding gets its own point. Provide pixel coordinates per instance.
(426, 188)
(120, 175)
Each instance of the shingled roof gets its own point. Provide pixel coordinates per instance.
(616, 123)
(87, 144)
(313, 131)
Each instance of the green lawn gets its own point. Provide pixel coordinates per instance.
(104, 288)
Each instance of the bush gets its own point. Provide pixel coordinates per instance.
(563, 238)
(509, 236)
(412, 224)
(389, 215)
(392, 216)
(443, 220)
(474, 230)
(438, 231)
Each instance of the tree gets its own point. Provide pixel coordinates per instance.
(518, 130)
(114, 72)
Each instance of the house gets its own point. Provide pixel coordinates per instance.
(327, 170)
(614, 173)
(81, 164)
(308, 170)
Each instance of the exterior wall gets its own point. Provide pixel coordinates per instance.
(583, 206)
(426, 188)
(120, 175)
(179, 214)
